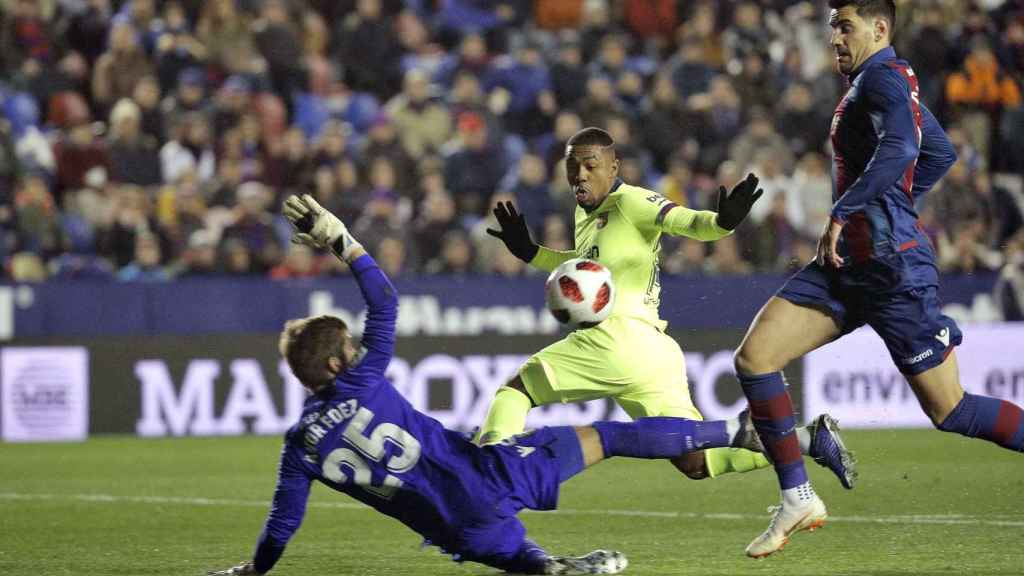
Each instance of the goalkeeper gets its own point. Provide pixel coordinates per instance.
(628, 356)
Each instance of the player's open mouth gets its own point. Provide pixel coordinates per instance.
(581, 194)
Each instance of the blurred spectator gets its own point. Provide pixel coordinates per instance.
(79, 154)
(473, 172)
(87, 28)
(237, 259)
(277, 39)
(190, 150)
(1009, 289)
(471, 58)
(130, 214)
(176, 47)
(437, 217)
(664, 122)
(568, 76)
(455, 257)
(120, 66)
(760, 135)
(232, 102)
(772, 241)
(332, 146)
(978, 94)
(390, 254)
(134, 158)
(37, 220)
(146, 96)
(382, 219)
(299, 262)
(506, 265)
(649, 19)
(145, 267)
(227, 37)
(721, 119)
(555, 233)
(811, 188)
(423, 123)
(599, 102)
(965, 250)
(531, 190)
(689, 257)
(382, 144)
(677, 184)
(802, 121)
(567, 123)
(927, 44)
(519, 90)
(27, 37)
(744, 36)
(689, 72)
(199, 259)
(369, 51)
(725, 259)
(253, 226)
(188, 98)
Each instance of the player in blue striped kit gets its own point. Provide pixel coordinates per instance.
(359, 436)
(875, 266)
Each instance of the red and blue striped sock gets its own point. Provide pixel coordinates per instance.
(771, 409)
(988, 418)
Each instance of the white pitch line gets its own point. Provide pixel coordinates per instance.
(923, 519)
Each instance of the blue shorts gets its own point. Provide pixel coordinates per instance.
(525, 472)
(919, 337)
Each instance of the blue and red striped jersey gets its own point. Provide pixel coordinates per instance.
(888, 151)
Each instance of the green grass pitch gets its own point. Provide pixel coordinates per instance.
(928, 503)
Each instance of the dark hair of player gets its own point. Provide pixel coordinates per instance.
(868, 8)
(308, 343)
(591, 136)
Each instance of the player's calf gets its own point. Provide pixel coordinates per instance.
(988, 418)
(668, 437)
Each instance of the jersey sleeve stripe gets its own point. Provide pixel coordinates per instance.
(664, 212)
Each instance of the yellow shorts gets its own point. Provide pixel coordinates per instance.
(623, 358)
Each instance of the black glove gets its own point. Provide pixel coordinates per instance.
(734, 207)
(514, 232)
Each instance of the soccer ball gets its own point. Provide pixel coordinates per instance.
(580, 293)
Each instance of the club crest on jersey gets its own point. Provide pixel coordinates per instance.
(602, 220)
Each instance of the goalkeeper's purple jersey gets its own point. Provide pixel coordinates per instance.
(888, 150)
(364, 439)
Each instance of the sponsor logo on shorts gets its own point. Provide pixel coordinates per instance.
(923, 355)
(943, 337)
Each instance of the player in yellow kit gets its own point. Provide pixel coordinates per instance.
(628, 356)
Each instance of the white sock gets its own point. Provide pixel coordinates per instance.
(799, 495)
(804, 437)
(732, 428)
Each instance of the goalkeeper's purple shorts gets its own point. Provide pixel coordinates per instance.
(526, 471)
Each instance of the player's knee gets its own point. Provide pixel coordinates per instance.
(743, 361)
(692, 465)
(750, 362)
(517, 385)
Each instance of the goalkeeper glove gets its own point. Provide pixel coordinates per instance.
(734, 207)
(317, 227)
(514, 232)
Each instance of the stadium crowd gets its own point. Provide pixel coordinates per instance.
(145, 140)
